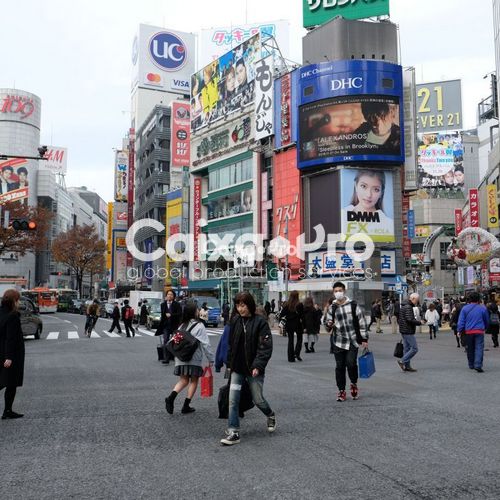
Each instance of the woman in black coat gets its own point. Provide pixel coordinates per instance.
(292, 313)
(11, 351)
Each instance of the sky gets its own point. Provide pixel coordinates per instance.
(76, 56)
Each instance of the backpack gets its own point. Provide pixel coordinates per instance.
(183, 344)
(129, 313)
(355, 320)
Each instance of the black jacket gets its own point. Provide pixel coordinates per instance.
(293, 319)
(258, 342)
(11, 347)
(171, 324)
(407, 321)
(312, 320)
(116, 313)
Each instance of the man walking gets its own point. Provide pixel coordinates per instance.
(115, 315)
(409, 319)
(127, 318)
(378, 315)
(170, 319)
(345, 318)
(473, 322)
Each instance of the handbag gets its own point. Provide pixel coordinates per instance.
(207, 383)
(366, 364)
(246, 401)
(182, 344)
(494, 319)
(399, 350)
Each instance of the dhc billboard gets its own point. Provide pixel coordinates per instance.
(350, 111)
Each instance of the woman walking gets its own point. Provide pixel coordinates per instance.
(11, 351)
(494, 325)
(190, 371)
(311, 324)
(432, 319)
(292, 313)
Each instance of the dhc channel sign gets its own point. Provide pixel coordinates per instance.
(167, 51)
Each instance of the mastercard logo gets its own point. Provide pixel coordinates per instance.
(153, 77)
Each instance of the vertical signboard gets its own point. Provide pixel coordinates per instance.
(387, 262)
(411, 224)
(196, 216)
(458, 221)
(109, 253)
(410, 129)
(491, 194)
(180, 134)
(121, 175)
(130, 193)
(474, 207)
(264, 98)
(405, 202)
(148, 266)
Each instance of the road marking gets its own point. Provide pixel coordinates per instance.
(94, 335)
(53, 336)
(67, 321)
(111, 334)
(73, 335)
(146, 332)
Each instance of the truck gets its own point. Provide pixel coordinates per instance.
(153, 298)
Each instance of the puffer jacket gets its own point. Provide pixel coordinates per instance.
(407, 321)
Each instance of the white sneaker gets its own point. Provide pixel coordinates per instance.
(232, 437)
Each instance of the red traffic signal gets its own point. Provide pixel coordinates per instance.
(23, 225)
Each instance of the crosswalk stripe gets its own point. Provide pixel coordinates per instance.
(111, 334)
(73, 335)
(94, 335)
(146, 332)
(53, 336)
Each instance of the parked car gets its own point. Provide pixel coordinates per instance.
(154, 316)
(31, 323)
(75, 306)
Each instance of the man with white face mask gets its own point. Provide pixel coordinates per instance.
(347, 322)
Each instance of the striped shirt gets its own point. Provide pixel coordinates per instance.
(344, 333)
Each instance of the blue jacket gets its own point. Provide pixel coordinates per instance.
(221, 354)
(474, 318)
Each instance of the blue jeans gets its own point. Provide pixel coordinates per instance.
(256, 385)
(409, 348)
(475, 350)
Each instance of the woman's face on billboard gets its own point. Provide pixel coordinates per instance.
(369, 192)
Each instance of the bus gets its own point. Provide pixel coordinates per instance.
(45, 299)
(65, 296)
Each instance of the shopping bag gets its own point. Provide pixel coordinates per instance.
(366, 364)
(399, 350)
(207, 383)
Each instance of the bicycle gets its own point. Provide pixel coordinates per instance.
(90, 324)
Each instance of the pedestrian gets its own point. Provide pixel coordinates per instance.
(439, 309)
(250, 349)
(225, 313)
(347, 322)
(92, 313)
(310, 323)
(473, 322)
(292, 314)
(127, 318)
(395, 316)
(378, 315)
(267, 308)
(143, 312)
(170, 318)
(11, 351)
(204, 314)
(223, 345)
(190, 371)
(115, 315)
(494, 322)
(432, 319)
(373, 310)
(390, 311)
(446, 311)
(273, 305)
(409, 319)
(455, 313)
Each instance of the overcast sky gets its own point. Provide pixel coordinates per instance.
(77, 57)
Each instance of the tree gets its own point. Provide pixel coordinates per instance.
(22, 242)
(81, 250)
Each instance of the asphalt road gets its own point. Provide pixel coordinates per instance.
(95, 426)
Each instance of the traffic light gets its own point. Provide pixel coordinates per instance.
(42, 151)
(23, 225)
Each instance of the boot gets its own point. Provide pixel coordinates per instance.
(312, 347)
(306, 345)
(169, 402)
(186, 408)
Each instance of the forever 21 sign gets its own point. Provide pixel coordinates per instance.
(17, 104)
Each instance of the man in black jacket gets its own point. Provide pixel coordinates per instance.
(127, 318)
(171, 315)
(116, 319)
(249, 350)
(409, 319)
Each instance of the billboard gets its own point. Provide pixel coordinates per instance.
(215, 42)
(439, 106)
(317, 12)
(56, 160)
(340, 264)
(285, 114)
(264, 98)
(350, 111)
(163, 59)
(121, 175)
(225, 86)
(181, 134)
(14, 180)
(441, 165)
(367, 203)
(492, 204)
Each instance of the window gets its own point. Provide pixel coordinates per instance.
(230, 174)
(445, 262)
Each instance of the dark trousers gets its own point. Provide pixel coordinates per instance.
(116, 323)
(345, 359)
(9, 396)
(493, 329)
(294, 351)
(128, 327)
(475, 350)
(432, 331)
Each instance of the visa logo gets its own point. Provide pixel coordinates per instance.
(180, 83)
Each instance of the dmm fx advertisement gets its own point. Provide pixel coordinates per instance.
(350, 111)
(367, 201)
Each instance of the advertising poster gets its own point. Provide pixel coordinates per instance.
(491, 194)
(56, 160)
(225, 86)
(14, 180)
(441, 165)
(121, 175)
(181, 134)
(350, 125)
(264, 98)
(231, 204)
(367, 203)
